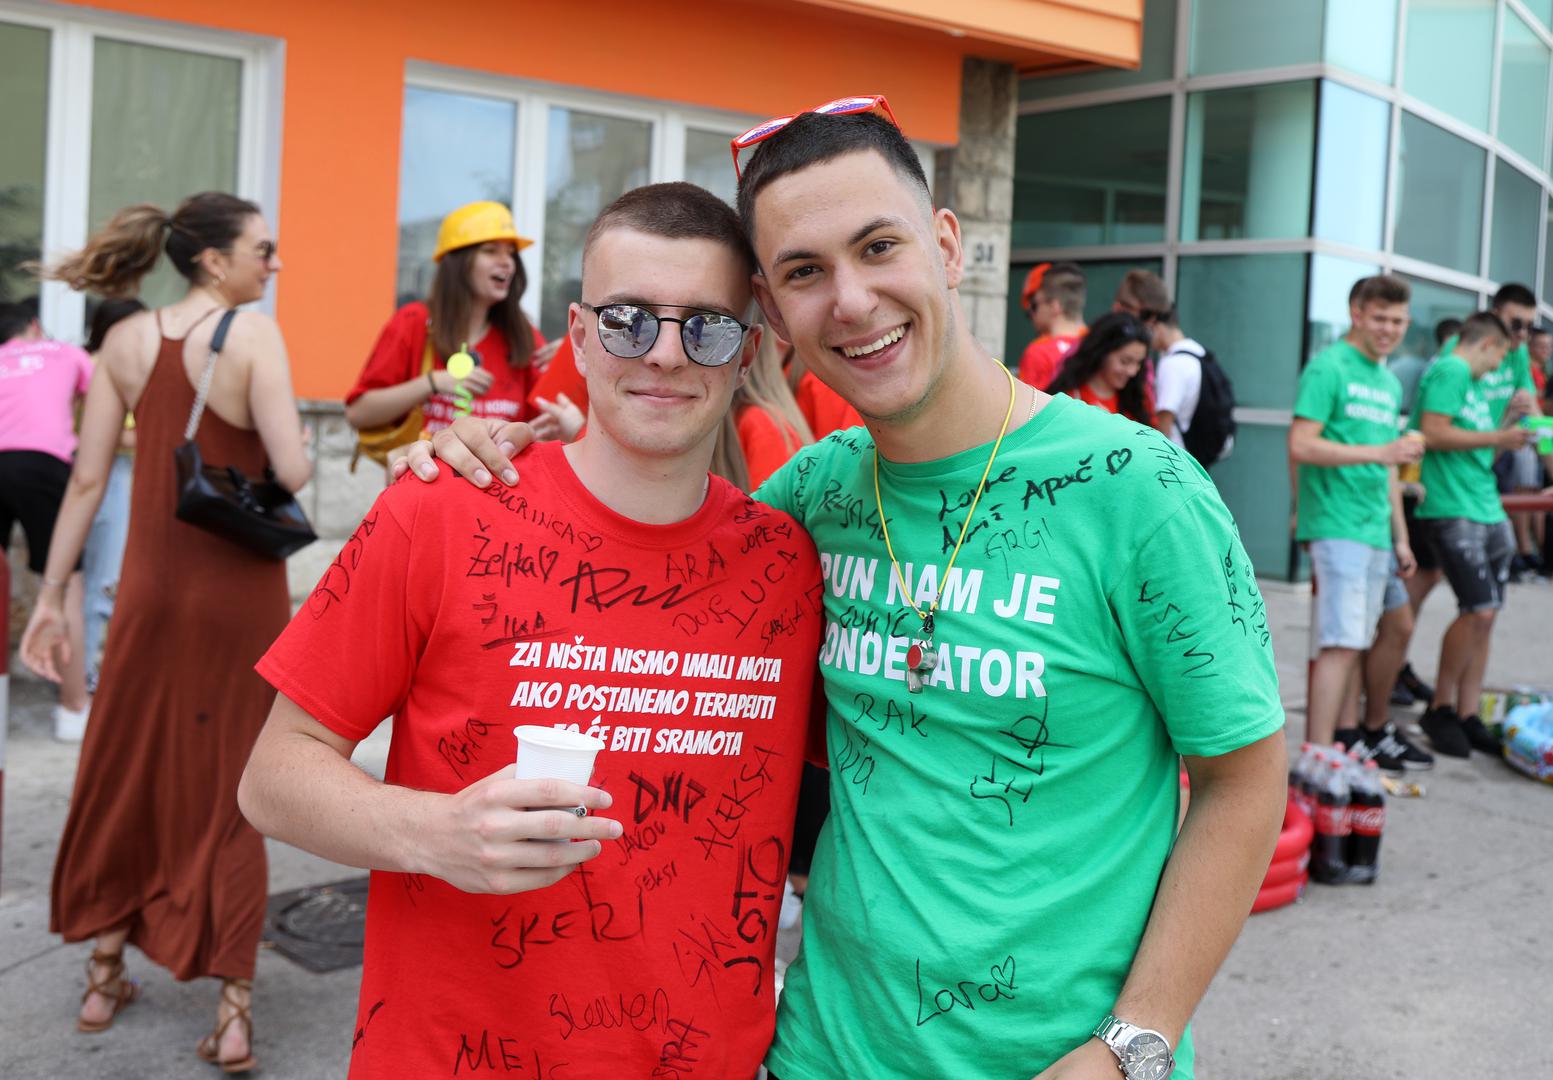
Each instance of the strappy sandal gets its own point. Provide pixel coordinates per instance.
(113, 986)
(209, 1048)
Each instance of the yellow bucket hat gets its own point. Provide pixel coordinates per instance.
(476, 223)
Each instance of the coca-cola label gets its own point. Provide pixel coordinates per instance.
(1332, 820)
(1368, 820)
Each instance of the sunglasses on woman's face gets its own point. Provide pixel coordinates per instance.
(709, 338)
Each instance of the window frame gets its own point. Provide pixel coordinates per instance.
(532, 100)
(73, 33)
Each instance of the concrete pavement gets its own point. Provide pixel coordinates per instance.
(1437, 971)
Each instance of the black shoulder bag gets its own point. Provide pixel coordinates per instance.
(259, 515)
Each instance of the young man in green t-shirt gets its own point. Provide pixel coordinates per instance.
(1037, 609)
(1345, 445)
(1466, 522)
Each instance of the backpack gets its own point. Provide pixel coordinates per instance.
(1213, 424)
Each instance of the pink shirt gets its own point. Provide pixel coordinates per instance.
(38, 384)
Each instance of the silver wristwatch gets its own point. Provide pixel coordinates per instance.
(1141, 1053)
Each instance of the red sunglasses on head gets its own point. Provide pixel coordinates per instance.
(873, 103)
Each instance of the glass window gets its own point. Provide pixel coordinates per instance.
(1439, 196)
(1547, 258)
(709, 163)
(591, 160)
(1156, 61)
(1254, 482)
(1431, 304)
(1248, 164)
(1523, 90)
(1232, 35)
(1071, 187)
(164, 126)
(1512, 252)
(1249, 309)
(1450, 56)
(1102, 280)
(1351, 167)
(454, 149)
(1541, 10)
(1331, 280)
(1361, 35)
(24, 85)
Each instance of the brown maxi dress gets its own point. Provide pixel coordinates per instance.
(154, 840)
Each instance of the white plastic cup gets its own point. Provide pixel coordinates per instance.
(546, 753)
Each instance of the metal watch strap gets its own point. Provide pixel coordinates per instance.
(1109, 1028)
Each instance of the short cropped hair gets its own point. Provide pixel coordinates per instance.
(16, 316)
(1513, 294)
(1485, 324)
(1353, 293)
(1381, 289)
(1146, 290)
(816, 138)
(677, 210)
(1065, 283)
(1445, 329)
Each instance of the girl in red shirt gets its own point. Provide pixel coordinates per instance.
(767, 425)
(474, 304)
(1107, 368)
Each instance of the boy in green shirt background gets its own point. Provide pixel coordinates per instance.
(1467, 525)
(1344, 443)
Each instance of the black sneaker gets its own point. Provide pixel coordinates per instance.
(1408, 679)
(1443, 727)
(1402, 697)
(1392, 752)
(1348, 736)
(1480, 737)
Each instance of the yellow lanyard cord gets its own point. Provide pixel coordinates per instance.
(1013, 392)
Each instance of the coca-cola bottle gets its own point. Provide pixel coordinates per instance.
(1298, 768)
(1329, 853)
(1367, 820)
(1312, 773)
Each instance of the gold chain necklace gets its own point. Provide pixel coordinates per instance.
(920, 657)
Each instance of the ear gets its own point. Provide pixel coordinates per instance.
(768, 306)
(577, 330)
(946, 229)
(750, 351)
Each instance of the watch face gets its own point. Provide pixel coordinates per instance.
(1147, 1057)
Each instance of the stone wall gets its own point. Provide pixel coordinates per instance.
(976, 181)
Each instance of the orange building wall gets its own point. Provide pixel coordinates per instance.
(343, 96)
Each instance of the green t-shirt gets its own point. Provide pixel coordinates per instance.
(1500, 385)
(995, 842)
(1356, 401)
(1457, 483)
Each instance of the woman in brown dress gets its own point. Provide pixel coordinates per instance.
(155, 851)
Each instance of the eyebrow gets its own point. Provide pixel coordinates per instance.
(793, 254)
(703, 305)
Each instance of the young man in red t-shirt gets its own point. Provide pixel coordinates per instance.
(1054, 298)
(622, 592)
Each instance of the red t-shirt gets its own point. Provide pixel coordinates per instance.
(400, 351)
(562, 377)
(1113, 403)
(767, 441)
(1044, 357)
(823, 408)
(690, 647)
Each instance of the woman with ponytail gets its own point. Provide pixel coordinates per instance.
(155, 851)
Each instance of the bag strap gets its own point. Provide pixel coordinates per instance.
(217, 340)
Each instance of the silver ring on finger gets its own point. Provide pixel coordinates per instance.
(580, 811)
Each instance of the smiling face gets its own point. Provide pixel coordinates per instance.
(1378, 327)
(857, 272)
(659, 405)
(1121, 367)
(491, 270)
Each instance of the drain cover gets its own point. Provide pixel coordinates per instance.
(320, 927)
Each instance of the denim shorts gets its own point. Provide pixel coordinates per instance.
(1476, 560)
(1352, 582)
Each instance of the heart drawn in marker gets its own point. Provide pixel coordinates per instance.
(1117, 460)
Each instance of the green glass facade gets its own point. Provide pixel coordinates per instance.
(1270, 152)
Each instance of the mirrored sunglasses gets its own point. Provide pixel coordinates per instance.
(710, 338)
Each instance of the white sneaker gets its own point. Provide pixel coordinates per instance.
(70, 724)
